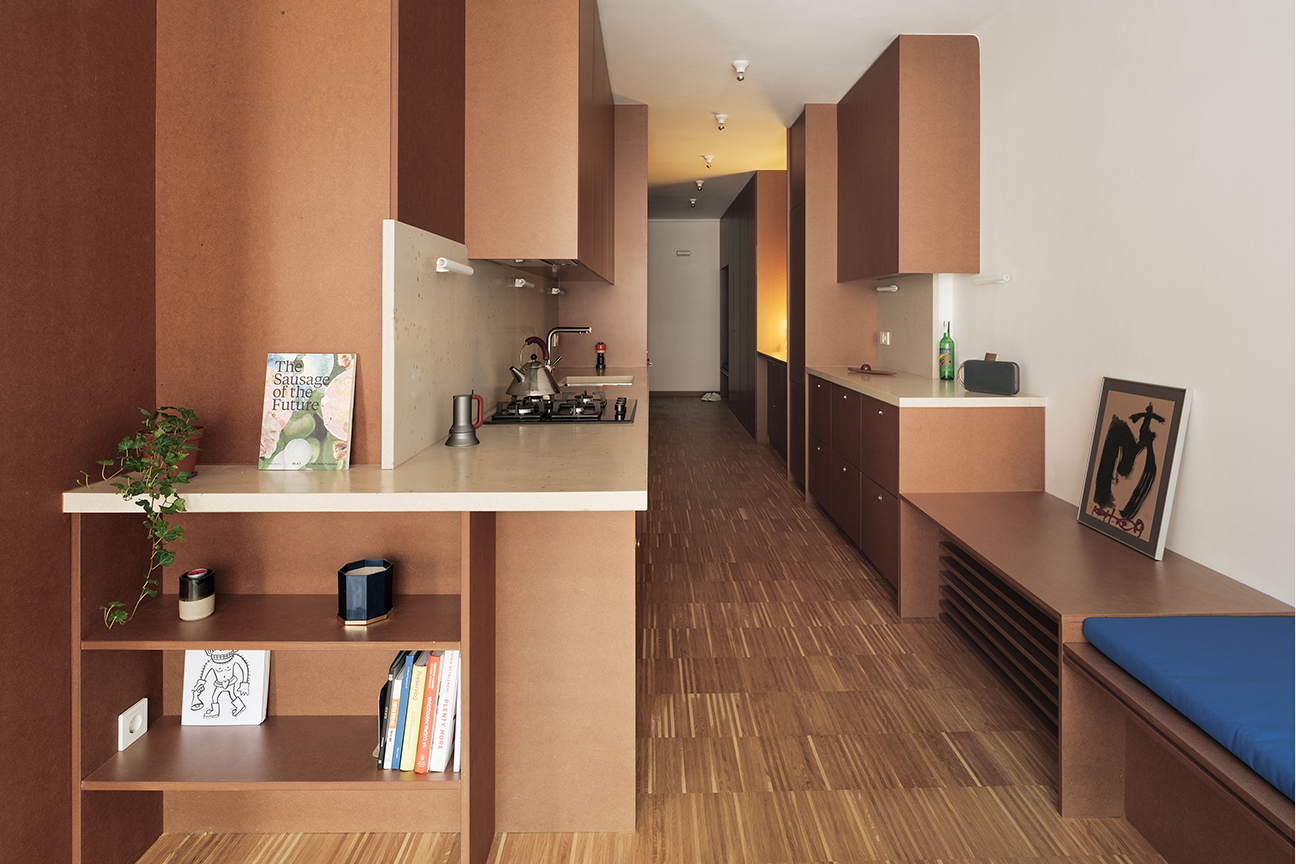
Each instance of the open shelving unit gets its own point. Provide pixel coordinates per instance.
(119, 797)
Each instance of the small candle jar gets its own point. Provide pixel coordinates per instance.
(197, 594)
(365, 591)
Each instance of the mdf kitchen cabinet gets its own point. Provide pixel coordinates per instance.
(908, 161)
(540, 146)
(776, 404)
(875, 439)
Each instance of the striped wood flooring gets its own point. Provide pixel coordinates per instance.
(785, 715)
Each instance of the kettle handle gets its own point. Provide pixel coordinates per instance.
(481, 409)
(536, 340)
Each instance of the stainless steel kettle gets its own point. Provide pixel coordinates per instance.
(535, 378)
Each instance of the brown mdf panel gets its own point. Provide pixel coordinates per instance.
(846, 424)
(428, 116)
(1033, 542)
(796, 433)
(796, 162)
(1183, 817)
(821, 404)
(841, 319)
(596, 230)
(273, 176)
(111, 682)
(477, 683)
(118, 827)
(971, 449)
(738, 255)
(917, 592)
(1091, 748)
(359, 811)
(618, 313)
(880, 443)
(565, 675)
(796, 292)
(771, 262)
(939, 155)
(820, 477)
(868, 171)
(300, 553)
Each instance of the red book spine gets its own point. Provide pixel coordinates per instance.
(429, 703)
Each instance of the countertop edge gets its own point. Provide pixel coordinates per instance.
(926, 392)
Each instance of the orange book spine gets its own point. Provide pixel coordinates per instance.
(429, 702)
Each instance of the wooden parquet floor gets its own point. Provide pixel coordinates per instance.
(785, 714)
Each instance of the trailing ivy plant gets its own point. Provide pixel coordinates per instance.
(145, 472)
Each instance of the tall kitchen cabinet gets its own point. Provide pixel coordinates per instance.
(796, 302)
(315, 747)
(908, 141)
(540, 145)
(753, 262)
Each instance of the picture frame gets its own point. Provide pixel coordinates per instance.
(225, 687)
(1134, 463)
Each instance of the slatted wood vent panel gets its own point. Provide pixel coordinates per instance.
(1020, 641)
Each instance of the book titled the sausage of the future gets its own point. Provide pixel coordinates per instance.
(306, 417)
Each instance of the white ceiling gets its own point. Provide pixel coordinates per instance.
(676, 55)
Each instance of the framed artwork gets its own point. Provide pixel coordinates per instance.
(225, 687)
(1134, 463)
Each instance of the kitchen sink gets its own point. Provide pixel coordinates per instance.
(596, 380)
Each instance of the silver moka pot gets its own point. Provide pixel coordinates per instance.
(463, 432)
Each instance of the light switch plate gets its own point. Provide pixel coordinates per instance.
(132, 723)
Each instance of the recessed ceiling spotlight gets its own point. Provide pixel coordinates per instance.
(720, 118)
(692, 202)
(699, 184)
(708, 160)
(740, 66)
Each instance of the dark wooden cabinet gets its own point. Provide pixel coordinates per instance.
(908, 161)
(844, 506)
(880, 537)
(796, 448)
(846, 423)
(776, 405)
(880, 442)
(820, 399)
(820, 479)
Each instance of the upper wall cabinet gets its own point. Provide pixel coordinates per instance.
(539, 161)
(908, 162)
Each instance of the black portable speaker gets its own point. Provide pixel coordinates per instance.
(991, 376)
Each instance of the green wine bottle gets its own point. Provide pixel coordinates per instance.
(947, 355)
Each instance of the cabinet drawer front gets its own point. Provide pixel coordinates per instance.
(880, 516)
(820, 485)
(880, 443)
(845, 508)
(796, 432)
(820, 397)
(845, 439)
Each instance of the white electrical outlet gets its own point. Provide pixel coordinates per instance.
(884, 337)
(132, 723)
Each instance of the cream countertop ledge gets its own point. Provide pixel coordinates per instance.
(516, 467)
(914, 391)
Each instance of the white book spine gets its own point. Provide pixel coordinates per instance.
(447, 699)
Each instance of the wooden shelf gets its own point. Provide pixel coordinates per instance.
(316, 753)
(261, 622)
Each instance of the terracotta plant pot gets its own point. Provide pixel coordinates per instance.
(190, 459)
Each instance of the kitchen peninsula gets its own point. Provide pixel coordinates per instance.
(542, 606)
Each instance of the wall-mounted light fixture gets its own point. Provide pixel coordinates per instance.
(445, 265)
(993, 280)
(699, 184)
(708, 160)
(888, 289)
(523, 283)
(556, 290)
(720, 119)
(692, 202)
(740, 66)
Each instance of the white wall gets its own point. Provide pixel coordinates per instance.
(1137, 183)
(684, 305)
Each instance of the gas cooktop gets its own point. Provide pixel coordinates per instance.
(568, 407)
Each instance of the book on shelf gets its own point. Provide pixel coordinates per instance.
(429, 709)
(458, 737)
(306, 414)
(400, 695)
(225, 687)
(386, 717)
(443, 722)
(414, 711)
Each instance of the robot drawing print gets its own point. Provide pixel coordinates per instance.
(221, 685)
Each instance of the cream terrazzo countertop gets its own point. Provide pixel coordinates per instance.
(914, 391)
(516, 467)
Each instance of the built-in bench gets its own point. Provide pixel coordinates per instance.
(1018, 575)
(1184, 726)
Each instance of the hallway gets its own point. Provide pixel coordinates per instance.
(785, 715)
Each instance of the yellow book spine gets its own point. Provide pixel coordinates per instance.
(409, 747)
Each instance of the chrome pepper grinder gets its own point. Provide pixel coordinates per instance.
(463, 432)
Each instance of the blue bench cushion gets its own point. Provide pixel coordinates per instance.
(1233, 677)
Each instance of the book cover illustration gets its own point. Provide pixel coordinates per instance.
(306, 416)
(225, 687)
